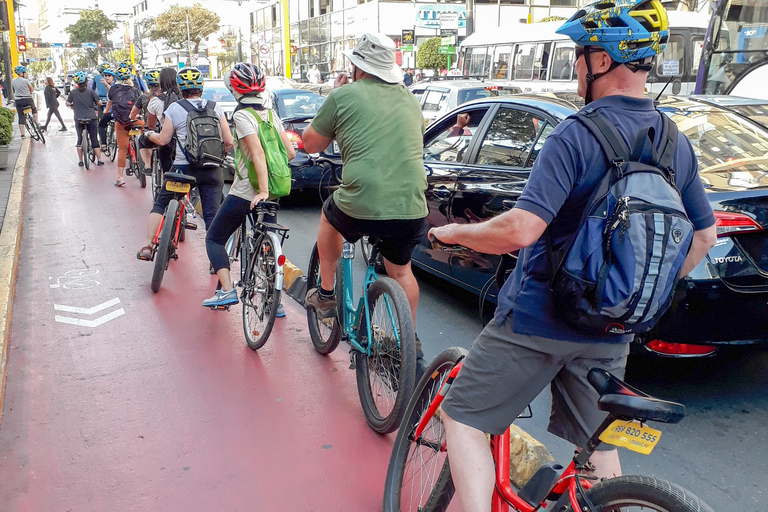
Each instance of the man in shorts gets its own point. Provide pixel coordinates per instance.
(379, 128)
(22, 91)
(527, 346)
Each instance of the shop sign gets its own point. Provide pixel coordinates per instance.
(429, 15)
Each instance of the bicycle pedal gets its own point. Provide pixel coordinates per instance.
(352, 364)
(220, 308)
(190, 226)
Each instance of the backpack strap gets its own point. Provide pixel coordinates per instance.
(667, 151)
(606, 134)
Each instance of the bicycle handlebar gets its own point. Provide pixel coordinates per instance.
(446, 247)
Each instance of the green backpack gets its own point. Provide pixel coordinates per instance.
(278, 170)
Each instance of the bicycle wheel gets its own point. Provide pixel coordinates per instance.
(260, 297)
(642, 494)
(325, 333)
(385, 378)
(40, 134)
(419, 476)
(183, 225)
(29, 123)
(112, 141)
(165, 244)
(84, 148)
(157, 176)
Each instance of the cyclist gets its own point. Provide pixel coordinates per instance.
(209, 181)
(156, 108)
(379, 128)
(246, 83)
(22, 91)
(100, 86)
(138, 84)
(140, 110)
(108, 80)
(85, 103)
(122, 95)
(528, 346)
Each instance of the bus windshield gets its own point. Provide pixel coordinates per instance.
(736, 50)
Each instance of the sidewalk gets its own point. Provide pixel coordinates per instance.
(6, 175)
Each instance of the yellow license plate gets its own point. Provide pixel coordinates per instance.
(631, 435)
(27, 110)
(175, 186)
(134, 132)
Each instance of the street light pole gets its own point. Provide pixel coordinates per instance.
(189, 41)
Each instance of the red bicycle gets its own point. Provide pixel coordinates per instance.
(419, 475)
(134, 163)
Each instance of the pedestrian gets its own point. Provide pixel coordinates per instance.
(408, 78)
(247, 83)
(384, 181)
(52, 102)
(22, 91)
(529, 344)
(313, 75)
(122, 96)
(85, 103)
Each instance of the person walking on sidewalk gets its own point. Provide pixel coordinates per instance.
(246, 82)
(22, 91)
(122, 96)
(52, 94)
(85, 103)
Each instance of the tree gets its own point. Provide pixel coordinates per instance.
(428, 56)
(141, 31)
(40, 68)
(92, 27)
(171, 26)
(117, 56)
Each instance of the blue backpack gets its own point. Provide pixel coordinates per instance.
(617, 273)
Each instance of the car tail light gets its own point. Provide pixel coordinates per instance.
(667, 348)
(728, 223)
(295, 139)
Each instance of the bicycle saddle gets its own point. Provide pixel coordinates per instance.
(267, 206)
(179, 178)
(624, 401)
(134, 124)
(84, 120)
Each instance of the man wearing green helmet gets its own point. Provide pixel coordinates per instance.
(511, 362)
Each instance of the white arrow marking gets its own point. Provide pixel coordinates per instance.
(87, 311)
(90, 323)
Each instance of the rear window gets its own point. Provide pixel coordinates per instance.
(434, 100)
(217, 93)
(466, 95)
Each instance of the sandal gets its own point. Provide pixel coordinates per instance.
(119, 182)
(146, 253)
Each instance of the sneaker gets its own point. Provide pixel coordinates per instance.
(421, 363)
(280, 311)
(104, 147)
(119, 182)
(324, 308)
(221, 298)
(99, 163)
(80, 163)
(23, 136)
(63, 129)
(43, 128)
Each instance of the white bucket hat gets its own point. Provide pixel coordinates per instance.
(375, 54)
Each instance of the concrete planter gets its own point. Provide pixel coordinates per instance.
(4, 157)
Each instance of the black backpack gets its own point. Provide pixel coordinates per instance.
(122, 102)
(204, 146)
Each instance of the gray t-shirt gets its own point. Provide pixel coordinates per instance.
(21, 88)
(178, 117)
(84, 102)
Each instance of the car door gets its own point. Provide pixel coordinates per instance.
(445, 153)
(492, 181)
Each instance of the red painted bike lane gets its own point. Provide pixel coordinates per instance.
(121, 399)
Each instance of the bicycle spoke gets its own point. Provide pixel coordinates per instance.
(384, 361)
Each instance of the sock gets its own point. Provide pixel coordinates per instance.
(325, 294)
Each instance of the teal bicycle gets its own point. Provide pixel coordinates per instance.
(380, 332)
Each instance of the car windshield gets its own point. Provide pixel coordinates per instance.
(475, 93)
(217, 93)
(299, 104)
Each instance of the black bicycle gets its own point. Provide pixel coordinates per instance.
(89, 154)
(111, 145)
(32, 127)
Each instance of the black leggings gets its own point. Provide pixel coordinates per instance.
(105, 119)
(230, 216)
(51, 111)
(91, 133)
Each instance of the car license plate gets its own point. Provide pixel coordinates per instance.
(175, 186)
(27, 110)
(134, 132)
(335, 147)
(631, 435)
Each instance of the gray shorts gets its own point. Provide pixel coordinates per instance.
(505, 371)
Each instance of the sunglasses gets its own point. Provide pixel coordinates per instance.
(581, 50)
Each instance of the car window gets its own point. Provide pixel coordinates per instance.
(217, 93)
(451, 138)
(510, 138)
(299, 104)
(545, 131)
(465, 95)
(434, 99)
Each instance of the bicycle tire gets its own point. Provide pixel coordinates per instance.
(111, 141)
(84, 149)
(182, 226)
(157, 176)
(646, 493)
(164, 245)
(260, 309)
(325, 333)
(411, 458)
(140, 168)
(385, 379)
(29, 123)
(40, 134)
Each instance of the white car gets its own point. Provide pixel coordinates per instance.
(215, 90)
(441, 96)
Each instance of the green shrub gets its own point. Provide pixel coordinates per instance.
(428, 56)
(7, 113)
(6, 131)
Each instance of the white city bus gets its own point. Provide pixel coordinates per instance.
(536, 59)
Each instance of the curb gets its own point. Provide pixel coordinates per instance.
(10, 240)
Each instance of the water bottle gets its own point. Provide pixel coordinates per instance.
(348, 250)
(188, 208)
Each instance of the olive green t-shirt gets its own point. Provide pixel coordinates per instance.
(380, 131)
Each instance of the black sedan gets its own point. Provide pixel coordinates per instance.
(479, 171)
(296, 109)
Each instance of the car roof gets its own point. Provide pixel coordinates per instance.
(555, 106)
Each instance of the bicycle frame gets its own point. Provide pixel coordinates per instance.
(253, 227)
(176, 231)
(351, 315)
(504, 495)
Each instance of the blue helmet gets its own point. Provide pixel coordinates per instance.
(20, 69)
(189, 78)
(101, 67)
(123, 72)
(80, 77)
(628, 30)
(109, 72)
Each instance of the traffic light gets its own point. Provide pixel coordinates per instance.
(69, 45)
(22, 43)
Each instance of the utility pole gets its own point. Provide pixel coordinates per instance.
(189, 41)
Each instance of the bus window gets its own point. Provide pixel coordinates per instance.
(697, 42)
(524, 61)
(541, 63)
(476, 59)
(501, 56)
(672, 61)
(562, 62)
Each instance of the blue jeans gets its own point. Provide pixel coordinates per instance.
(209, 185)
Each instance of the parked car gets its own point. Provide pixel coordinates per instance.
(440, 97)
(297, 108)
(478, 172)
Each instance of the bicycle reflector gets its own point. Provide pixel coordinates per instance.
(281, 260)
(727, 223)
(667, 348)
